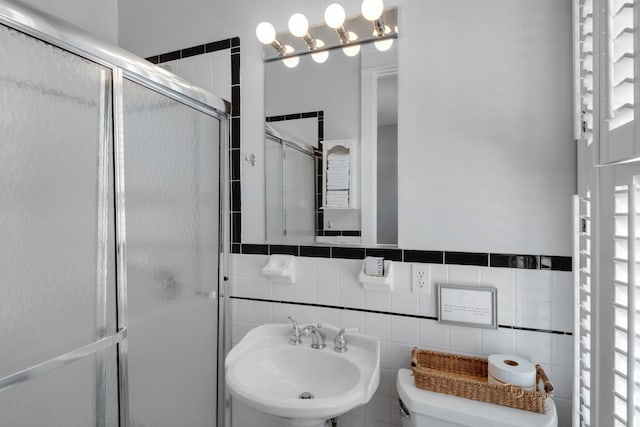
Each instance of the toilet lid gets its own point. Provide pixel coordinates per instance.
(466, 411)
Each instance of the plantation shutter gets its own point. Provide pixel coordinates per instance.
(585, 67)
(618, 80)
(626, 286)
(583, 334)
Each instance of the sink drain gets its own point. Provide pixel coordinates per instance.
(305, 395)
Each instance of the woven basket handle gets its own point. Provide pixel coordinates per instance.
(414, 357)
(542, 375)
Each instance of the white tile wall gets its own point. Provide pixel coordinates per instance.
(334, 282)
(210, 71)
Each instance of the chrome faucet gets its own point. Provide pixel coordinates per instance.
(317, 336)
(295, 337)
(340, 342)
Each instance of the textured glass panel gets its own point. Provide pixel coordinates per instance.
(274, 190)
(65, 397)
(299, 178)
(55, 211)
(171, 175)
(171, 181)
(172, 366)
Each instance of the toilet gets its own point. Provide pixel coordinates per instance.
(423, 408)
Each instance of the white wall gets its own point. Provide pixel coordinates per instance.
(489, 103)
(485, 138)
(98, 17)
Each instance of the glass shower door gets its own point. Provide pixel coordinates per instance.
(58, 358)
(171, 163)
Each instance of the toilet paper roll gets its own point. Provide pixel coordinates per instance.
(509, 369)
(374, 266)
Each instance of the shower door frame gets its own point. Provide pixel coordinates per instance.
(123, 64)
(301, 148)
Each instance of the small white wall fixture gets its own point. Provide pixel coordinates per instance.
(281, 268)
(382, 283)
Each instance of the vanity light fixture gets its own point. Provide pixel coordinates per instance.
(266, 33)
(334, 17)
(383, 45)
(293, 61)
(299, 27)
(372, 11)
(354, 49)
(322, 56)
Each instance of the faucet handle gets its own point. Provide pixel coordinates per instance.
(295, 338)
(295, 324)
(340, 342)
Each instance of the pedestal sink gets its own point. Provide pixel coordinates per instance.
(304, 385)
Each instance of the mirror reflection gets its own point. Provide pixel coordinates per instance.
(331, 138)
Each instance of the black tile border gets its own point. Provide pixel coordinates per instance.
(514, 261)
(255, 249)
(388, 254)
(467, 258)
(526, 262)
(558, 263)
(333, 233)
(347, 253)
(388, 313)
(284, 250)
(315, 251)
(427, 257)
(192, 51)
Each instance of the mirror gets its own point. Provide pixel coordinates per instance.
(331, 138)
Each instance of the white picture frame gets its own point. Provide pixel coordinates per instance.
(470, 306)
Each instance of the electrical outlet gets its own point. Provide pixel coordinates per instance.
(420, 282)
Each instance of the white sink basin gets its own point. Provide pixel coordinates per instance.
(267, 373)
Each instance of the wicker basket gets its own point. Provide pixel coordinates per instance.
(465, 376)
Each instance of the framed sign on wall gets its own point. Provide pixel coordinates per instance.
(467, 306)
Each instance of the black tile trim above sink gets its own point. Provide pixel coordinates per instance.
(427, 257)
(388, 313)
(514, 261)
(284, 250)
(517, 261)
(467, 258)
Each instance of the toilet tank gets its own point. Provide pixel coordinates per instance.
(423, 408)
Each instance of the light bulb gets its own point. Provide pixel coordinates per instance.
(372, 9)
(298, 25)
(320, 57)
(290, 62)
(334, 16)
(265, 33)
(383, 45)
(352, 50)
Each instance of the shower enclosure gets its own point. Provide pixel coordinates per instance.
(110, 261)
(290, 188)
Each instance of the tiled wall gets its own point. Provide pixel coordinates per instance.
(534, 311)
(534, 300)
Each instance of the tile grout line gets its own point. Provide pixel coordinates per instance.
(388, 313)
